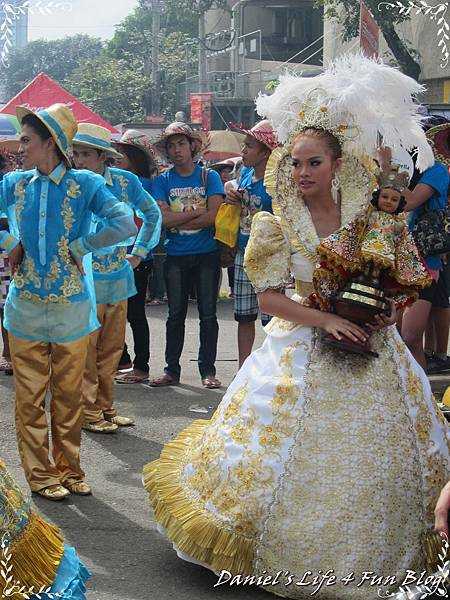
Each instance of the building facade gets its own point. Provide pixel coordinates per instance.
(249, 46)
(422, 34)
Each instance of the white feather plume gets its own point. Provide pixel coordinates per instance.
(368, 96)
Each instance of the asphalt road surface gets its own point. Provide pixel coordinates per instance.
(113, 530)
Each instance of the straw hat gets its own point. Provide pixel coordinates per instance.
(137, 139)
(95, 136)
(263, 133)
(223, 164)
(58, 119)
(179, 128)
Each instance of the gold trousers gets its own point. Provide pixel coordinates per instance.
(103, 356)
(40, 367)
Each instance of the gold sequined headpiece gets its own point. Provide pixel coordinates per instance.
(393, 178)
(358, 100)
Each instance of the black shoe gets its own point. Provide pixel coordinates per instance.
(438, 365)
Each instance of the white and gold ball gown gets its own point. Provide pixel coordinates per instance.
(315, 459)
(35, 561)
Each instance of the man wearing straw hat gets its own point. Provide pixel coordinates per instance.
(113, 277)
(50, 309)
(189, 197)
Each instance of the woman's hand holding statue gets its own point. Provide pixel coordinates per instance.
(339, 328)
(382, 321)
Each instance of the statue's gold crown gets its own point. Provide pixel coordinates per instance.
(393, 178)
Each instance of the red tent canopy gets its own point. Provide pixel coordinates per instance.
(44, 91)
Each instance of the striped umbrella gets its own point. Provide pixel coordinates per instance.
(9, 126)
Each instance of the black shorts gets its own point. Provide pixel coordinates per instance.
(437, 292)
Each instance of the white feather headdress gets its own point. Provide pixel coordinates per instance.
(357, 99)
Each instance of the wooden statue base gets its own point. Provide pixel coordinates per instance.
(350, 346)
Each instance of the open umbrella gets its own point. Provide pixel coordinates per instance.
(9, 145)
(223, 144)
(9, 126)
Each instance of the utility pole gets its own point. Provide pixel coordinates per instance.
(156, 26)
(153, 97)
(202, 75)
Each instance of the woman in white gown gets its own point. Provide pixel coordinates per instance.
(315, 460)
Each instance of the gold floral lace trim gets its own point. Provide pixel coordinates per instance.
(434, 471)
(299, 487)
(267, 256)
(288, 203)
(188, 526)
(35, 555)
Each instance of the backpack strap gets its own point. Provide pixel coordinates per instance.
(204, 180)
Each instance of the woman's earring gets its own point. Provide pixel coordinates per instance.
(335, 187)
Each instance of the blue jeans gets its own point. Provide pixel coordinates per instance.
(179, 272)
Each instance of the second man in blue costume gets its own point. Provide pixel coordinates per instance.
(113, 277)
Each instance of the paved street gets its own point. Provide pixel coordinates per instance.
(113, 530)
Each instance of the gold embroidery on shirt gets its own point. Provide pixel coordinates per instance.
(53, 274)
(19, 193)
(36, 299)
(73, 189)
(72, 283)
(123, 182)
(111, 265)
(67, 214)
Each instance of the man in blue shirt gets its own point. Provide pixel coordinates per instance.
(429, 193)
(189, 197)
(113, 277)
(50, 309)
(252, 197)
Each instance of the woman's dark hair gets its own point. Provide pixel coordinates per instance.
(41, 130)
(142, 165)
(334, 146)
(2, 162)
(376, 197)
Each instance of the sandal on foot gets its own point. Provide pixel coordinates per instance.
(211, 382)
(6, 366)
(164, 380)
(120, 421)
(80, 488)
(100, 427)
(55, 492)
(130, 378)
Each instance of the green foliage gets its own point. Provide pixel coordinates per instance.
(133, 41)
(112, 87)
(56, 58)
(114, 78)
(178, 11)
(347, 13)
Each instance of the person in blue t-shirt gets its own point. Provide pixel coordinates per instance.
(189, 197)
(252, 197)
(430, 192)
